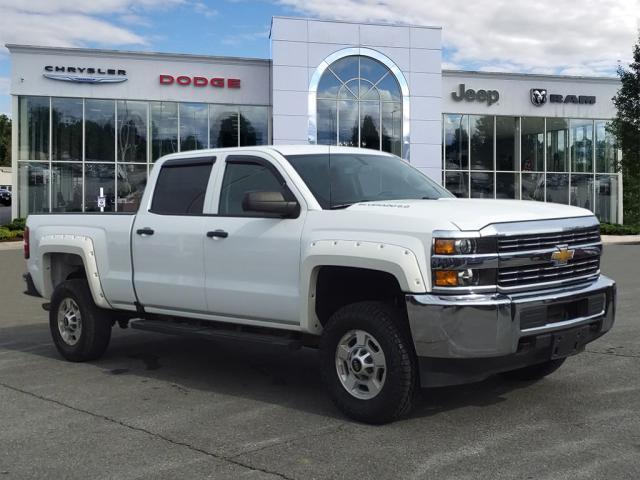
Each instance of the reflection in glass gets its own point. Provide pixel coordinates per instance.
(132, 131)
(582, 190)
(164, 129)
(607, 194)
(329, 86)
(66, 129)
(391, 126)
(458, 183)
(481, 132)
(131, 182)
(193, 126)
(532, 144)
(97, 175)
(100, 131)
(223, 120)
(557, 145)
(606, 149)
(456, 138)
(327, 122)
(506, 146)
(348, 123)
(66, 187)
(508, 185)
(33, 128)
(533, 186)
(581, 145)
(482, 185)
(33, 185)
(558, 188)
(254, 125)
(370, 125)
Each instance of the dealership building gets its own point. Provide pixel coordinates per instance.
(88, 121)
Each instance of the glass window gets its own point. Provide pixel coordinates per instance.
(99, 176)
(368, 110)
(458, 183)
(193, 126)
(254, 126)
(456, 140)
(606, 148)
(581, 145)
(532, 144)
(224, 126)
(508, 185)
(132, 131)
(66, 129)
(131, 182)
(481, 132)
(533, 186)
(558, 188)
(242, 178)
(582, 190)
(481, 184)
(100, 130)
(607, 194)
(181, 187)
(557, 145)
(33, 128)
(66, 187)
(33, 187)
(507, 129)
(164, 129)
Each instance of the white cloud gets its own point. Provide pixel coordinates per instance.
(564, 36)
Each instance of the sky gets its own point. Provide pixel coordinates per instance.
(570, 37)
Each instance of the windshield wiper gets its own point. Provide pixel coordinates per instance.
(340, 205)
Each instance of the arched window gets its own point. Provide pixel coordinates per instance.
(359, 103)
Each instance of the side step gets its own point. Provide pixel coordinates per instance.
(285, 339)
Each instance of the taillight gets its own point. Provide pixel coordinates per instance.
(27, 251)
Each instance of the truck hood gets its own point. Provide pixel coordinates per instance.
(472, 214)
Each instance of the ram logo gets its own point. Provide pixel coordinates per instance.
(538, 96)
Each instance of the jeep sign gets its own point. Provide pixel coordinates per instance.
(471, 95)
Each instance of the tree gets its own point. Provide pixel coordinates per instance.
(5, 141)
(626, 128)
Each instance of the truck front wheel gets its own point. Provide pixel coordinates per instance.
(368, 362)
(81, 331)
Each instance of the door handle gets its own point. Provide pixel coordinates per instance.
(144, 231)
(217, 234)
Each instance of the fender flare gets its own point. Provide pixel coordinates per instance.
(401, 262)
(81, 246)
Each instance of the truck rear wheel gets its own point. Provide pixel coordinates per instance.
(368, 362)
(534, 372)
(81, 331)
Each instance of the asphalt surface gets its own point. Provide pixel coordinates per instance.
(167, 407)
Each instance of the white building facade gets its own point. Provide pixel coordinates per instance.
(89, 119)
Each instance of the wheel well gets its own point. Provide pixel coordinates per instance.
(337, 287)
(64, 266)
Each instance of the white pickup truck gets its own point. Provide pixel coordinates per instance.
(398, 283)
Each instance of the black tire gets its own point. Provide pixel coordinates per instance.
(95, 332)
(534, 372)
(388, 326)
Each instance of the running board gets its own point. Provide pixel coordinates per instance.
(285, 339)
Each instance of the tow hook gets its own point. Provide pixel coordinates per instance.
(46, 306)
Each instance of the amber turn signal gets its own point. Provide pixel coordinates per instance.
(444, 246)
(446, 278)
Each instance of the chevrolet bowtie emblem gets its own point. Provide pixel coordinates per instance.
(562, 255)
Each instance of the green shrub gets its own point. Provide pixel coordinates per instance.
(615, 229)
(16, 224)
(6, 234)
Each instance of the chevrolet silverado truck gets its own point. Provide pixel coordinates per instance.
(397, 283)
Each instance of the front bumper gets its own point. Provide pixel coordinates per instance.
(461, 338)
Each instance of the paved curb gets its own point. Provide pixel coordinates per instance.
(621, 239)
(11, 245)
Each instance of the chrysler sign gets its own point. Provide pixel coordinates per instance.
(85, 74)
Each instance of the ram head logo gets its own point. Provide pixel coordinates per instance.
(538, 96)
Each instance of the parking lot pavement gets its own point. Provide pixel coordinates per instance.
(168, 407)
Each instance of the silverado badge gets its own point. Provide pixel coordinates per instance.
(562, 255)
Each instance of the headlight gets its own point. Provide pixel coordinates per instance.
(450, 246)
(467, 264)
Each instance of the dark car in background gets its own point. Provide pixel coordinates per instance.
(5, 197)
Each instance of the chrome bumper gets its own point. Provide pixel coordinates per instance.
(484, 326)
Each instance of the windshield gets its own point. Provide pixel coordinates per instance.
(338, 180)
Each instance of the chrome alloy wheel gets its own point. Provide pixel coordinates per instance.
(361, 365)
(69, 321)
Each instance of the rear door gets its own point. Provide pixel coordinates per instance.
(168, 238)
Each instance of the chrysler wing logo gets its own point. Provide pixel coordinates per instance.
(85, 79)
(562, 255)
(538, 96)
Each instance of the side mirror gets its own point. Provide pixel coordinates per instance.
(269, 202)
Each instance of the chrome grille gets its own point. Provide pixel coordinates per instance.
(522, 243)
(548, 272)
